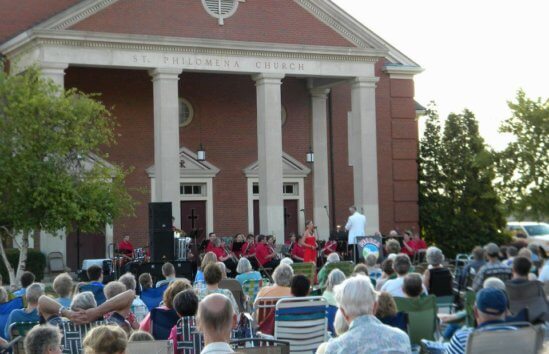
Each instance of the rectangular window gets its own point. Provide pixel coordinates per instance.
(193, 189)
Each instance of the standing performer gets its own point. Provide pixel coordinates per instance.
(356, 225)
(308, 242)
(125, 247)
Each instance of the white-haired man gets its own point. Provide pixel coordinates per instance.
(358, 302)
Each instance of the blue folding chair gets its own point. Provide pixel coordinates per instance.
(153, 297)
(331, 313)
(6, 309)
(162, 322)
(96, 290)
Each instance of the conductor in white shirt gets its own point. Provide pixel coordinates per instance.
(356, 225)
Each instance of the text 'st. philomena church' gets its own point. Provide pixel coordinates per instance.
(258, 84)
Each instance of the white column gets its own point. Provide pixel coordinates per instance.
(166, 138)
(365, 150)
(54, 71)
(269, 151)
(320, 165)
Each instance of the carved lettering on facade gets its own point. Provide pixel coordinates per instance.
(218, 63)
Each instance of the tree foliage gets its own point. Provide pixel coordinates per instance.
(523, 167)
(53, 175)
(459, 207)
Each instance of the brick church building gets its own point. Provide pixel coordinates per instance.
(256, 85)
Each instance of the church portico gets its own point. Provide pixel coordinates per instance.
(253, 103)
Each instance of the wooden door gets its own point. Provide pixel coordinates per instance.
(92, 246)
(193, 217)
(256, 217)
(290, 218)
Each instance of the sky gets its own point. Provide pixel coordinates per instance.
(476, 53)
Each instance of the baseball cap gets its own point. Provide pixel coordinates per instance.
(491, 249)
(491, 301)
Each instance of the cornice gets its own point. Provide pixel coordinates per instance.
(82, 39)
(402, 71)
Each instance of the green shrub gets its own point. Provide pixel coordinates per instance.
(36, 262)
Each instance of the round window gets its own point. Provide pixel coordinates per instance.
(186, 112)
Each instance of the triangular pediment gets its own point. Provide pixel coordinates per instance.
(290, 168)
(295, 22)
(190, 167)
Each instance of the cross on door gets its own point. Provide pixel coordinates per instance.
(193, 217)
(286, 217)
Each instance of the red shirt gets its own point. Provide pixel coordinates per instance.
(210, 247)
(298, 251)
(219, 252)
(417, 245)
(261, 253)
(125, 247)
(248, 248)
(406, 251)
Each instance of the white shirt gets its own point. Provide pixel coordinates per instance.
(544, 273)
(394, 287)
(217, 348)
(356, 225)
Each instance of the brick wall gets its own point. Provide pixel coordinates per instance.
(279, 21)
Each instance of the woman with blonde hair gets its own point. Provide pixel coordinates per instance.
(173, 289)
(209, 258)
(105, 340)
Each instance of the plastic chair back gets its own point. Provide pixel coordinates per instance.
(260, 346)
(153, 297)
(20, 329)
(440, 282)
(400, 320)
(307, 269)
(157, 347)
(498, 339)
(5, 310)
(189, 340)
(96, 290)
(162, 322)
(251, 289)
(346, 267)
(265, 313)
(528, 295)
(302, 321)
(331, 314)
(236, 289)
(422, 317)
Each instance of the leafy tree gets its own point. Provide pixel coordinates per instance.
(458, 205)
(52, 175)
(523, 167)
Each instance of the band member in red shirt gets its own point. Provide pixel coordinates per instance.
(223, 255)
(238, 244)
(297, 251)
(211, 242)
(264, 254)
(125, 247)
(407, 243)
(248, 251)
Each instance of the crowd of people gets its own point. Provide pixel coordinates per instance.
(366, 314)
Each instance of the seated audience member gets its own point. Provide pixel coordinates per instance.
(374, 272)
(493, 268)
(138, 308)
(300, 285)
(185, 304)
(417, 242)
(335, 277)
(62, 285)
(145, 281)
(528, 254)
(245, 271)
(168, 272)
(213, 275)
(287, 261)
(105, 340)
(409, 245)
(388, 273)
(357, 302)
(83, 309)
(215, 320)
(27, 278)
(142, 336)
(209, 258)
(223, 269)
(29, 313)
(323, 273)
(360, 268)
(282, 276)
(124, 317)
(386, 306)
(43, 340)
(495, 283)
(95, 275)
(401, 266)
(473, 266)
(437, 279)
(4, 297)
(490, 308)
(412, 285)
(297, 252)
(392, 246)
(511, 253)
(521, 270)
(173, 289)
